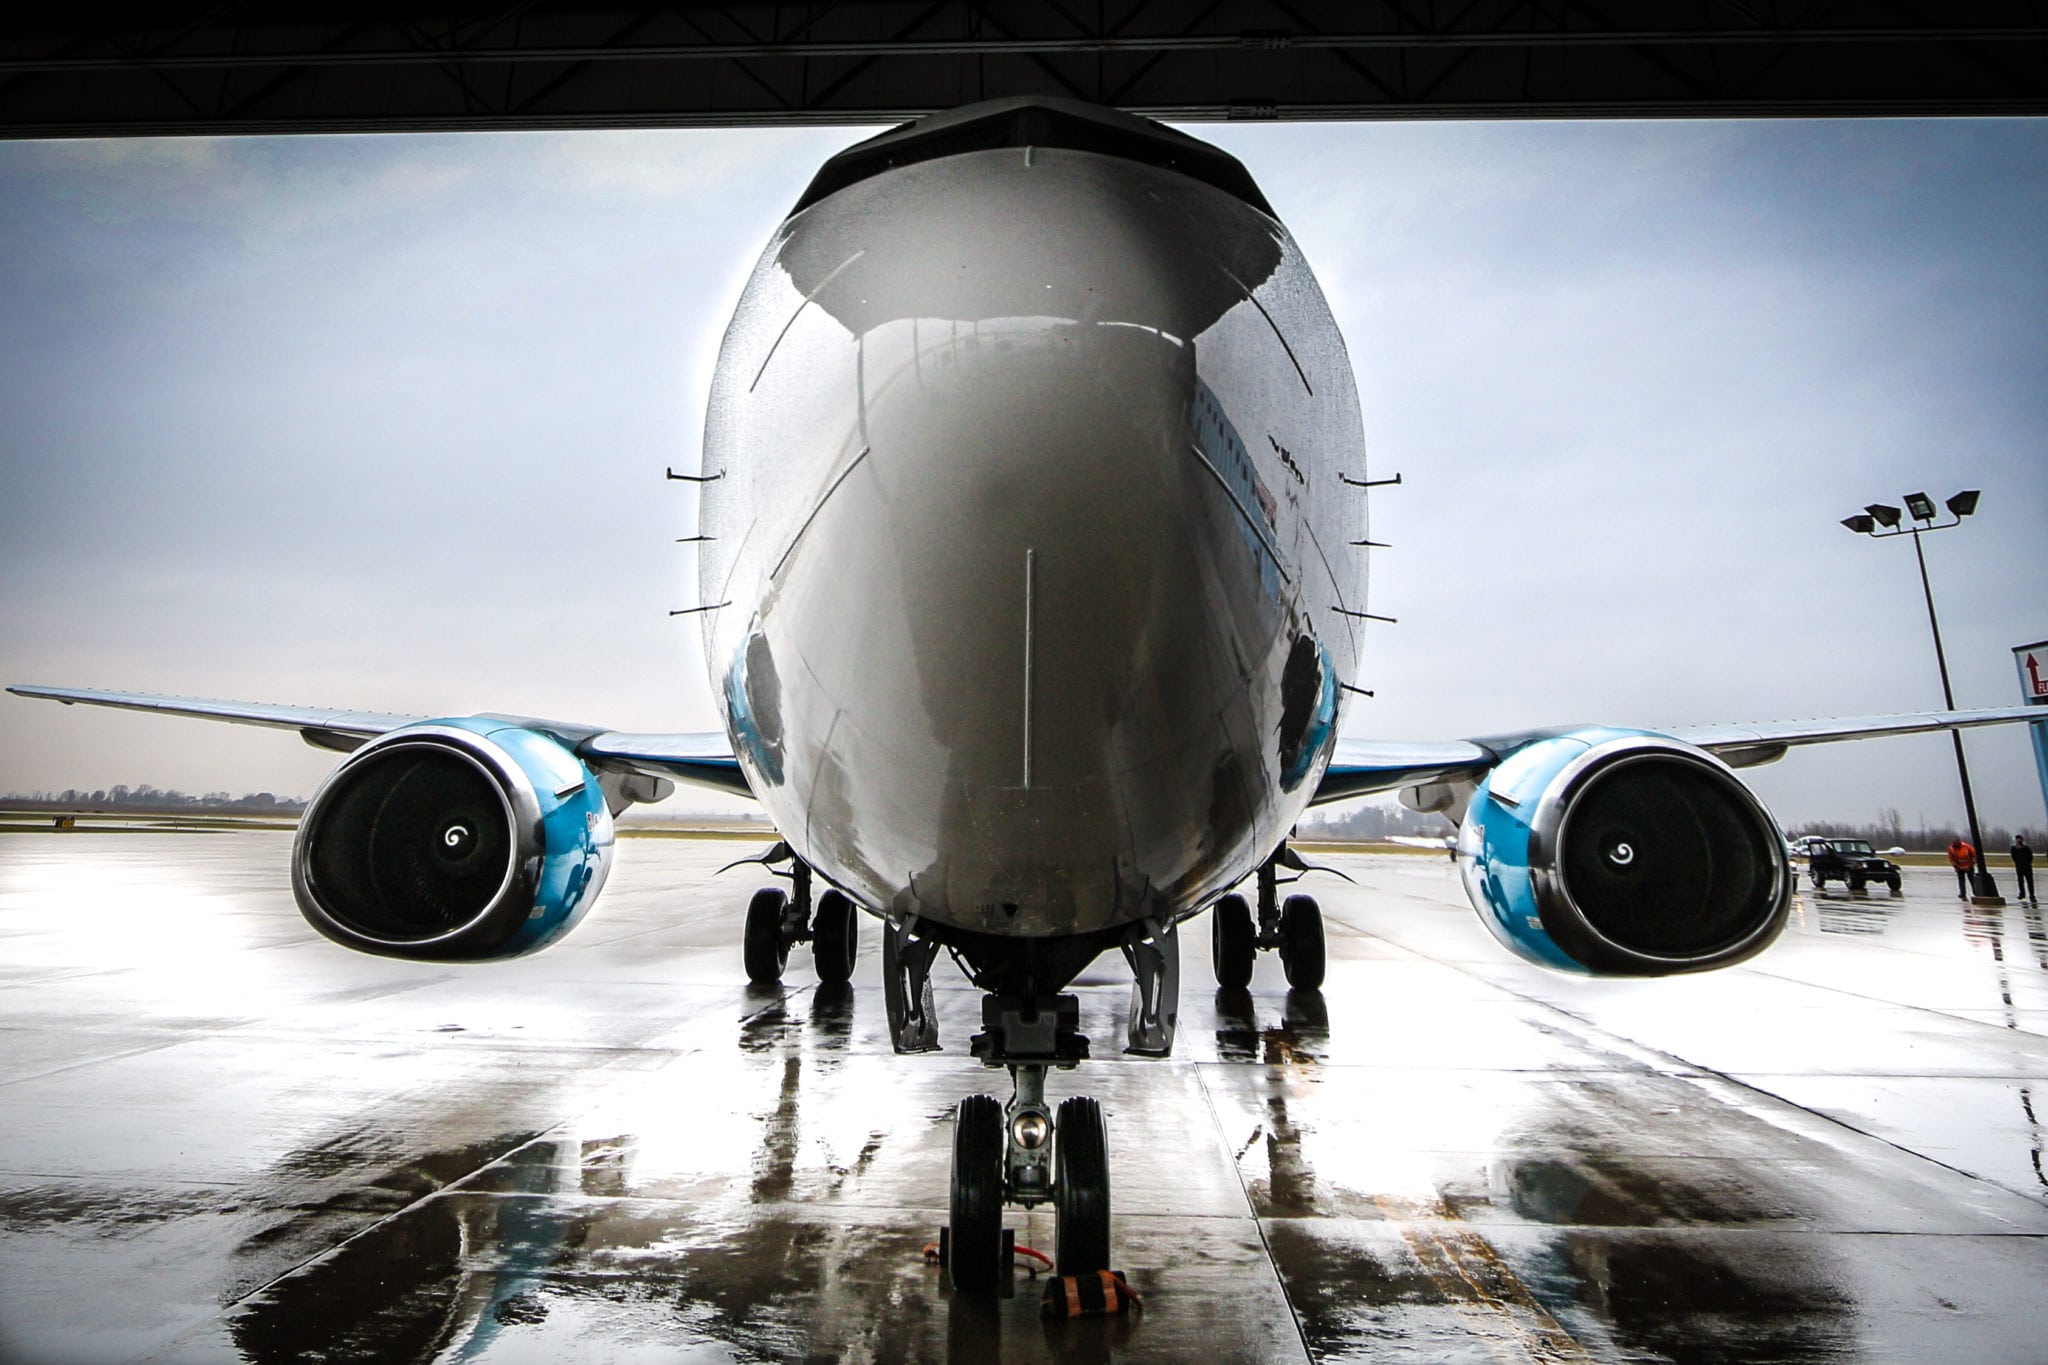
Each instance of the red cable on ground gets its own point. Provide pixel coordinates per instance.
(931, 1254)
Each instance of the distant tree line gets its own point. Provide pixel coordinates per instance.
(1887, 831)
(1890, 831)
(1374, 822)
(156, 801)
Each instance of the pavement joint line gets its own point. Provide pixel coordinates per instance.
(153, 1182)
(1624, 1231)
(1737, 1081)
(1893, 1004)
(107, 1057)
(329, 1253)
(337, 1248)
(2040, 1197)
(1258, 1224)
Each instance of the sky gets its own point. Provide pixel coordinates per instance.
(380, 422)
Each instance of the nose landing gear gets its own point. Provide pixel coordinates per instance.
(1022, 1153)
(1027, 1153)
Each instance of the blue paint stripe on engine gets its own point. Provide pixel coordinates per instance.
(576, 831)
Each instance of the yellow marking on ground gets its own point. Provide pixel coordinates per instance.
(1507, 1318)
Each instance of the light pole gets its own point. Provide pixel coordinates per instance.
(1880, 522)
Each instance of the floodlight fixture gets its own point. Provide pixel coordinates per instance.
(1880, 515)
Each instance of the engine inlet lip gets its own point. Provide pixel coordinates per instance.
(1549, 829)
(517, 800)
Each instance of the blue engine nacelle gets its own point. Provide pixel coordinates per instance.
(453, 841)
(1623, 853)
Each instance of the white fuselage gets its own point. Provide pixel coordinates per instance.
(1028, 516)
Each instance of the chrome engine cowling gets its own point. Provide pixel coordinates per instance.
(462, 840)
(1623, 853)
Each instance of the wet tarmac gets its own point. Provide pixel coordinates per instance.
(224, 1139)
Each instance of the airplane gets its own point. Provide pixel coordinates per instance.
(1034, 546)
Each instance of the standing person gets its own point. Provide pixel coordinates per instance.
(1962, 857)
(2023, 868)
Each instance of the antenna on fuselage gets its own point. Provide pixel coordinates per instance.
(1370, 483)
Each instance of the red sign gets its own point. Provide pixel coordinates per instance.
(2032, 661)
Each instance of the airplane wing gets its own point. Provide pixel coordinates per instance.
(1362, 767)
(1745, 746)
(702, 760)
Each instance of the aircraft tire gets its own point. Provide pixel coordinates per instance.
(1233, 942)
(763, 948)
(1080, 1187)
(835, 937)
(975, 1228)
(1301, 942)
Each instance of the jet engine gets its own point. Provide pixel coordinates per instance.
(462, 840)
(1623, 853)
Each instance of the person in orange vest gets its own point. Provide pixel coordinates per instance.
(1962, 857)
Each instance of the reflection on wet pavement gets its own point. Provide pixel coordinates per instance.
(228, 1140)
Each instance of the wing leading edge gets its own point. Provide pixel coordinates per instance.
(702, 760)
(1358, 767)
(1362, 767)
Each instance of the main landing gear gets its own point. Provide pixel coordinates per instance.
(1294, 927)
(777, 920)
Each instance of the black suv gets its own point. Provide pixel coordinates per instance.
(1848, 860)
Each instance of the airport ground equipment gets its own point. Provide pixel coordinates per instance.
(1850, 861)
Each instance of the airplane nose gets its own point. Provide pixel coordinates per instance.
(1004, 597)
(1029, 610)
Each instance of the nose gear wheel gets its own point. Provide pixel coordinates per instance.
(975, 1226)
(1081, 1186)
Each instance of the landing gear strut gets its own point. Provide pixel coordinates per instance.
(907, 987)
(778, 920)
(1293, 927)
(1022, 1153)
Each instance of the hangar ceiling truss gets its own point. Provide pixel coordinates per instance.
(278, 68)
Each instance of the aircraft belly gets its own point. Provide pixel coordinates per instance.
(1029, 589)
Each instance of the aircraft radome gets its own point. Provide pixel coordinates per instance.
(1034, 549)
